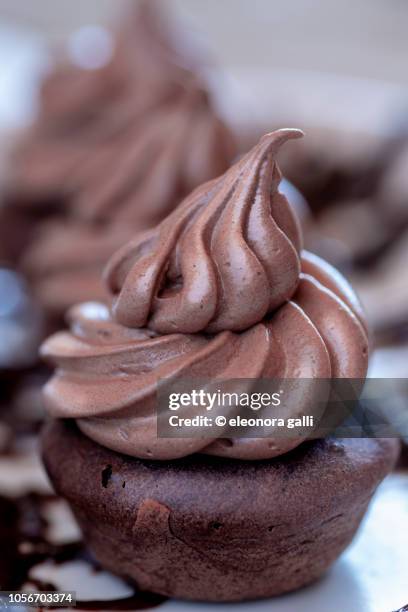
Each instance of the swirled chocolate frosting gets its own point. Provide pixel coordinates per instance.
(227, 256)
(220, 290)
(82, 108)
(65, 261)
(144, 61)
(141, 175)
(128, 184)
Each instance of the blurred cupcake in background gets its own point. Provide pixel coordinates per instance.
(125, 140)
(112, 151)
(130, 183)
(83, 107)
(357, 189)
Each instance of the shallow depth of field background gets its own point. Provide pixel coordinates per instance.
(363, 38)
(339, 71)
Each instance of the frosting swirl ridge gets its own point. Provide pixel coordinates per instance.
(157, 162)
(227, 256)
(164, 157)
(82, 109)
(107, 373)
(62, 275)
(219, 291)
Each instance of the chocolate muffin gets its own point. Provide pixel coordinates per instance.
(216, 529)
(219, 290)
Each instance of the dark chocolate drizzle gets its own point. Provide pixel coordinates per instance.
(24, 544)
(23, 537)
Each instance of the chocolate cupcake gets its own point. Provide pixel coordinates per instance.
(129, 184)
(62, 274)
(146, 66)
(81, 108)
(80, 112)
(219, 290)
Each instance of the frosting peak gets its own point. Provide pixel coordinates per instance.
(227, 256)
(220, 291)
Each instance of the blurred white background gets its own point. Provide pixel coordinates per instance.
(364, 38)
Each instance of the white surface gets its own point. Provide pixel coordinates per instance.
(22, 473)
(313, 100)
(248, 96)
(389, 362)
(80, 577)
(360, 37)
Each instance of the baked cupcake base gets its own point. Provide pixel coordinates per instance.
(210, 529)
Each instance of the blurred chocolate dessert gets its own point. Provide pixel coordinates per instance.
(332, 166)
(81, 109)
(64, 261)
(113, 149)
(147, 63)
(130, 184)
(357, 189)
(220, 289)
(384, 292)
(140, 175)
